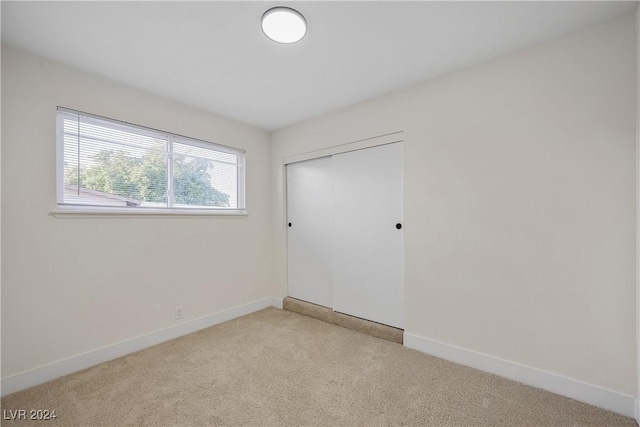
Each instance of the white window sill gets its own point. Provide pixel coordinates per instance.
(92, 212)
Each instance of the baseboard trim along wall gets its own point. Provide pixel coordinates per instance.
(277, 302)
(587, 393)
(72, 364)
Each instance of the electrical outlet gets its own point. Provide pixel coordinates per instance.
(179, 312)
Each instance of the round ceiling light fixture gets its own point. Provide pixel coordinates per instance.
(284, 25)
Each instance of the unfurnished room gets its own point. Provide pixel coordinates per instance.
(319, 213)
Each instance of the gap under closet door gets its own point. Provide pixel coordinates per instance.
(368, 274)
(309, 215)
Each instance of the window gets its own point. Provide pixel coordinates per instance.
(110, 164)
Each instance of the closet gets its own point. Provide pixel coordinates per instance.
(345, 232)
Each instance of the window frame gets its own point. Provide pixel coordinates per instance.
(67, 210)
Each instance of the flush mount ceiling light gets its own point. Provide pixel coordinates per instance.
(284, 25)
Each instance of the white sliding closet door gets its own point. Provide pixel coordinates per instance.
(367, 241)
(309, 214)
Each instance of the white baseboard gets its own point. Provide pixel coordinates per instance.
(276, 302)
(72, 364)
(587, 393)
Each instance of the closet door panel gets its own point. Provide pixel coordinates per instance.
(309, 213)
(367, 245)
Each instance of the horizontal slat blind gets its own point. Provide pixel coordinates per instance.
(110, 163)
(192, 165)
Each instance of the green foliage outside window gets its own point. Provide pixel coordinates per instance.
(145, 178)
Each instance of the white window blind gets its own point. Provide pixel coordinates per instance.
(107, 163)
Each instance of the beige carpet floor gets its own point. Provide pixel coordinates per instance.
(277, 368)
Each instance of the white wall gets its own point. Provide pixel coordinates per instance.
(74, 285)
(519, 203)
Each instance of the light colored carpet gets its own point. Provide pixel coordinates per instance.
(275, 367)
(325, 314)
